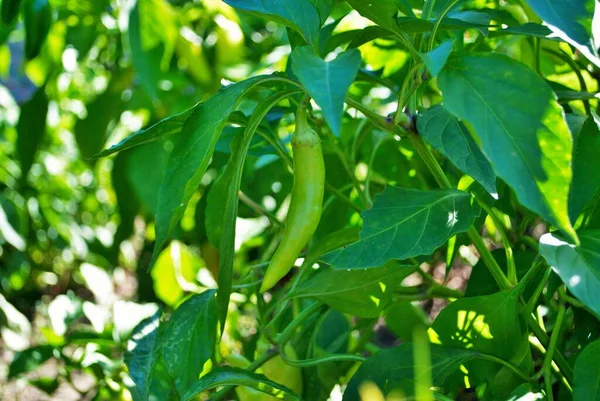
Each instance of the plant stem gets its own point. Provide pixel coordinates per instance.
(288, 332)
(403, 92)
(259, 209)
(547, 366)
(474, 235)
(510, 260)
(438, 21)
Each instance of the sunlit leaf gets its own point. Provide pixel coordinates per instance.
(450, 137)
(521, 127)
(404, 223)
(577, 266)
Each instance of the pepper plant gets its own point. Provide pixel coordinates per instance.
(399, 200)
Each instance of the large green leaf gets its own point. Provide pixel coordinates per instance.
(487, 323)
(451, 138)
(571, 21)
(521, 127)
(327, 81)
(222, 203)
(167, 126)
(393, 369)
(192, 151)
(189, 339)
(490, 324)
(586, 374)
(404, 223)
(31, 128)
(300, 15)
(142, 355)
(363, 293)
(586, 164)
(577, 266)
(229, 376)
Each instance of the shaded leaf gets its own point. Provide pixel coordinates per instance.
(393, 369)
(586, 374)
(363, 293)
(586, 164)
(577, 266)
(31, 129)
(327, 82)
(404, 223)
(513, 110)
(142, 355)
(451, 138)
(29, 360)
(189, 339)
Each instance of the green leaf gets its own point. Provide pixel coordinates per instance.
(189, 339)
(586, 164)
(167, 126)
(192, 151)
(436, 58)
(521, 127)
(490, 324)
(405, 223)
(142, 355)
(363, 293)
(327, 82)
(222, 203)
(402, 317)
(577, 266)
(487, 323)
(393, 369)
(228, 376)
(451, 138)
(571, 21)
(29, 360)
(300, 15)
(176, 266)
(586, 374)
(31, 129)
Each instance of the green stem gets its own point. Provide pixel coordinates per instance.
(288, 332)
(259, 209)
(509, 365)
(510, 260)
(403, 92)
(547, 366)
(530, 306)
(565, 369)
(303, 363)
(474, 235)
(438, 21)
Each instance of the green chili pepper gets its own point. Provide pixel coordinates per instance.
(37, 15)
(306, 203)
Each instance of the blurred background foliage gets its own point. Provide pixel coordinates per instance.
(76, 233)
